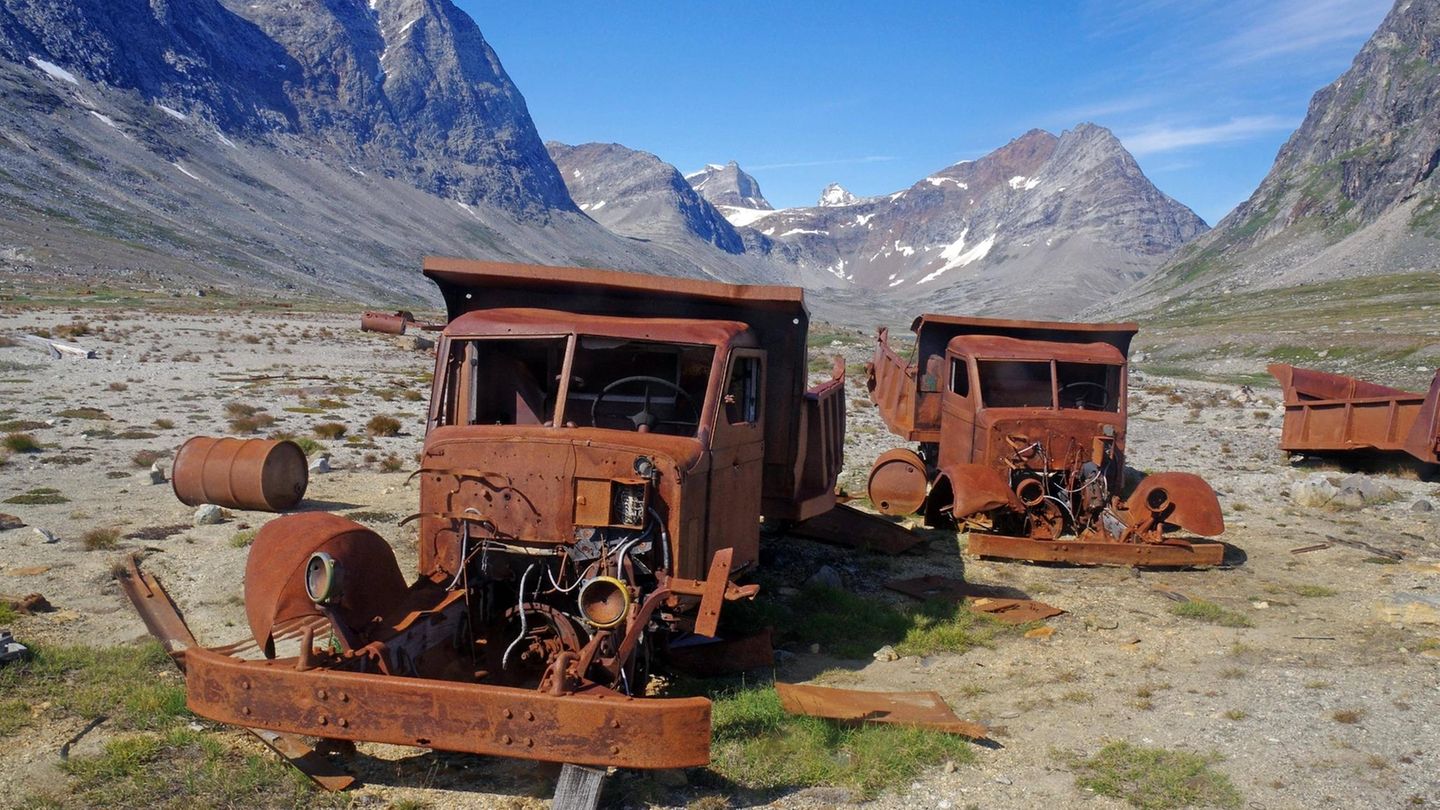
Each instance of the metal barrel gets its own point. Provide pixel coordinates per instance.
(259, 474)
(386, 322)
(897, 484)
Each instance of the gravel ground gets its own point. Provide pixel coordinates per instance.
(1119, 666)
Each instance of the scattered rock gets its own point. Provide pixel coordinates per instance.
(320, 465)
(417, 343)
(1370, 490)
(887, 653)
(1003, 779)
(208, 515)
(1349, 497)
(1040, 632)
(157, 474)
(1314, 492)
(1422, 505)
(8, 522)
(28, 571)
(670, 777)
(949, 766)
(814, 649)
(46, 536)
(1409, 609)
(827, 577)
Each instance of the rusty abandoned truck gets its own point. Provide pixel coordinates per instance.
(1020, 427)
(599, 451)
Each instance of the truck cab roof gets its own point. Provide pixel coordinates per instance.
(526, 321)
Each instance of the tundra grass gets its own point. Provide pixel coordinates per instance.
(846, 625)
(1210, 613)
(1155, 778)
(757, 745)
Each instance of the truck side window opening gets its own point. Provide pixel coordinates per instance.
(742, 395)
(1015, 384)
(635, 384)
(1089, 386)
(959, 377)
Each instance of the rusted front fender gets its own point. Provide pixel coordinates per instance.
(593, 727)
(275, 572)
(976, 488)
(1180, 499)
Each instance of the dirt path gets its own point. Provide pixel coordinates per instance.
(1120, 665)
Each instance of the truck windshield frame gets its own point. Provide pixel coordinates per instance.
(1061, 385)
(585, 380)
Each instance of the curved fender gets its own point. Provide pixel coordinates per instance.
(977, 488)
(1180, 499)
(371, 582)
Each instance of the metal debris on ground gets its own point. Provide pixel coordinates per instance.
(58, 348)
(1020, 438)
(918, 709)
(983, 598)
(1331, 413)
(847, 526)
(1308, 549)
(10, 649)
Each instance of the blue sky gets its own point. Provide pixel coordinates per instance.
(877, 95)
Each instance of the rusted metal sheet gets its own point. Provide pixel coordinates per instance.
(982, 598)
(1331, 413)
(847, 526)
(1025, 438)
(918, 709)
(259, 474)
(1014, 611)
(1171, 553)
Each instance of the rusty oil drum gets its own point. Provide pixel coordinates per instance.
(897, 483)
(260, 474)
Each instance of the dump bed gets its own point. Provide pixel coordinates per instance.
(907, 390)
(1328, 413)
(804, 429)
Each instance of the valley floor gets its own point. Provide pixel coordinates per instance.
(1314, 699)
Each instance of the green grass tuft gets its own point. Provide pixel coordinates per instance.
(1156, 779)
(758, 745)
(136, 687)
(1210, 613)
(21, 443)
(39, 496)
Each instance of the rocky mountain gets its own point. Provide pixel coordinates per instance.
(1040, 227)
(1352, 193)
(835, 195)
(278, 144)
(638, 195)
(728, 186)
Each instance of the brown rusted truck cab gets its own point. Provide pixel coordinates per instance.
(1020, 428)
(599, 451)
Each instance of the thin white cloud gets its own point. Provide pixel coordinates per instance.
(1158, 138)
(1301, 26)
(835, 162)
(1069, 116)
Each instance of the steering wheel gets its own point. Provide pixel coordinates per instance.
(642, 417)
(1078, 400)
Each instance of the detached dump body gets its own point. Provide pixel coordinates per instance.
(599, 450)
(1021, 432)
(1331, 413)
